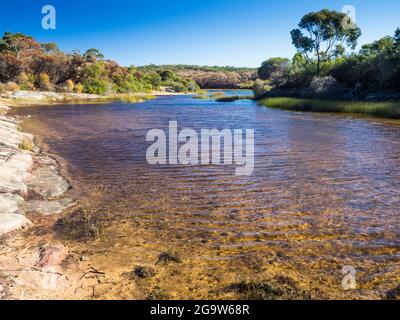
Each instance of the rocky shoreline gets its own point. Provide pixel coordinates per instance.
(31, 190)
(30, 182)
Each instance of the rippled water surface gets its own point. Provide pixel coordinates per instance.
(325, 190)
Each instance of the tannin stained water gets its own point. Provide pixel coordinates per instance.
(325, 191)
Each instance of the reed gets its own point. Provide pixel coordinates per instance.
(378, 109)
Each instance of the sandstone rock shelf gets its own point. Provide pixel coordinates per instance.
(24, 170)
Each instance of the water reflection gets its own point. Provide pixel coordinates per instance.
(325, 187)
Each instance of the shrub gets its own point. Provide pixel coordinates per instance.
(78, 88)
(95, 86)
(26, 81)
(69, 85)
(12, 86)
(258, 87)
(44, 82)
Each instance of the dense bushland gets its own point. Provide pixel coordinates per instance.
(29, 65)
(327, 66)
(212, 77)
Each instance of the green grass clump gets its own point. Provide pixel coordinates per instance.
(26, 145)
(378, 109)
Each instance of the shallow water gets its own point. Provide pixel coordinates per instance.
(325, 191)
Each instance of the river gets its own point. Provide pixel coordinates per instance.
(324, 194)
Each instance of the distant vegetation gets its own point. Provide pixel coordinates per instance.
(180, 67)
(327, 67)
(212, 77)
(29, 65)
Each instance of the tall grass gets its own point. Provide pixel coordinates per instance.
(379, 109)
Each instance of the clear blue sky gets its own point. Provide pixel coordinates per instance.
(203, 32)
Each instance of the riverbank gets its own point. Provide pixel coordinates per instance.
(32, 190)
(389, 110)
(22, 97)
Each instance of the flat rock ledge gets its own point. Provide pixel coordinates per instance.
(46, 207)
(22, 171)
(11, 217)
(48, 182)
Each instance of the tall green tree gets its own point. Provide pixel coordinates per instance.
(324, 35)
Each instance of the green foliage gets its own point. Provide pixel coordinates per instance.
(258, 87)
(322, 35)
(93, 55)
(26, 81)
(26, 145)
(376, 67)
(78, 88)
(95, 86)
(43, 82)
(274, 70)
(320, 41)
(45, 67)
(204, 76)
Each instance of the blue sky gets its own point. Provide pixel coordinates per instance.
(203, 32)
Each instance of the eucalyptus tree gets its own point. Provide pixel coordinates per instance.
(324, 35)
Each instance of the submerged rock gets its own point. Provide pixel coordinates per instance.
(47, 182)
(46, 207)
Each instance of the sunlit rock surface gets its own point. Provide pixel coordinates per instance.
(47, 182)
(10, 215)
(46, 207)
(17, 177)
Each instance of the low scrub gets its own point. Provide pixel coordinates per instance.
(379, 109)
